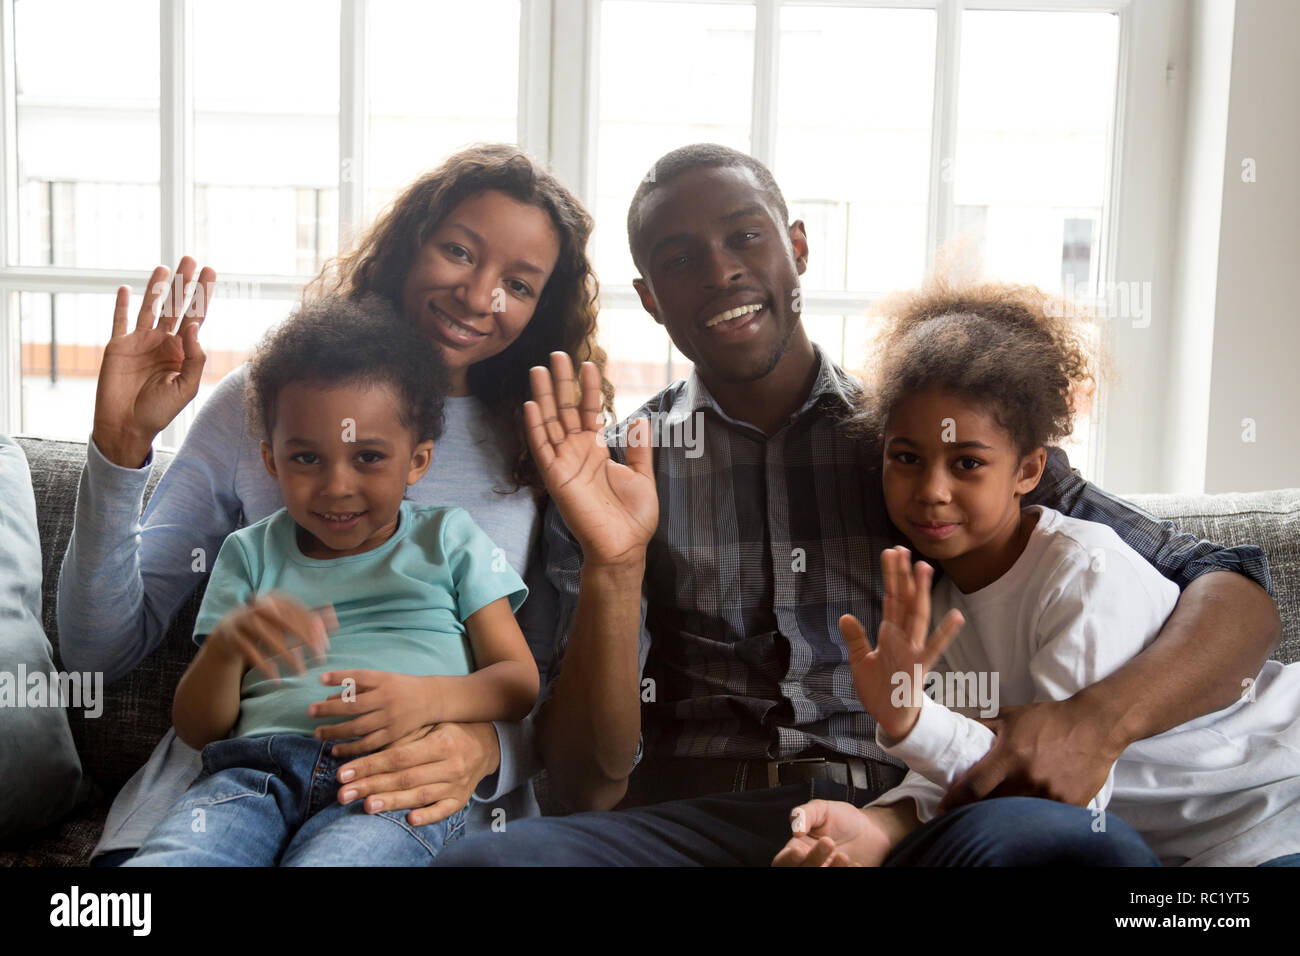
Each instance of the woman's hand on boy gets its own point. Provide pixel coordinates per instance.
(384, 707)
(611, 509)
(432, 772)
(148, 374)
(901, 644)
(272, 627)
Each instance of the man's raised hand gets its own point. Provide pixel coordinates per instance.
(611, 509)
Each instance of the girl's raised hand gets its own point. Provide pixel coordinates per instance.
(901, 643)
(150, 372)
(611, 509)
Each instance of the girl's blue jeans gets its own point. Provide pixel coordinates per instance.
(273, 801)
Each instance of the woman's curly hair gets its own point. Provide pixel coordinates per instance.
(565, 317)
(1020, 353)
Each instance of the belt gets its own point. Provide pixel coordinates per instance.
(659, 779)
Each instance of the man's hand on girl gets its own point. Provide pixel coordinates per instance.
(901, 644)
(1054, 749)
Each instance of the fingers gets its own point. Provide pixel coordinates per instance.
(591, 411)
(566, 393)
(361, 679)
(120, 305)
(543, 388)
(978, 782)
(399, 767)
(152, 293)
(855, 637)
(539, 438)
(435, 813)
(919, 625)
(640, 456)
(948, 628)
(292, 617)
(808, 818)
(195, 357)
(794, 852)
(173, 306)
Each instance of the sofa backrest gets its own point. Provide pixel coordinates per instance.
(1270, 519)
(137, 708)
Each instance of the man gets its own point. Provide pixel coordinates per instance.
(733, 568)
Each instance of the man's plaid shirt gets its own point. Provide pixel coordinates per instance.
(763, 543)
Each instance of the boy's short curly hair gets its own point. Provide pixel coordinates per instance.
(340, 341)
(1012, 349)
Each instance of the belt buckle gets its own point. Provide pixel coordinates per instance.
(774, 767)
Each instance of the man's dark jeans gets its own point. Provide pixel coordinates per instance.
(749, 828)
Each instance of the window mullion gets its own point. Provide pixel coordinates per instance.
(176, 166)
(11, 370)
(575, 107)
(533, 125)
(943, 129)
(352, 120)
(176, 128)
(767, 42)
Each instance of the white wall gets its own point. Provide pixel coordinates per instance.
(1232, 336)
(1206, 69)
(1257, 319)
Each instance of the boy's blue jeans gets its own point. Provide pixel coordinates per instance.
(273, 801)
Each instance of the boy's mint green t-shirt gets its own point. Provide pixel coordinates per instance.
(400, 607)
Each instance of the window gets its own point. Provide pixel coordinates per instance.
(883, 166)
(244, 157)
(894, 127)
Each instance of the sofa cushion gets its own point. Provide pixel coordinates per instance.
(1270, 519)
(138, 707)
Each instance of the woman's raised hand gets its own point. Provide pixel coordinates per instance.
(149, 373)
(611, 509)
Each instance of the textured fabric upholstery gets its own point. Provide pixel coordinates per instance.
(137, 708)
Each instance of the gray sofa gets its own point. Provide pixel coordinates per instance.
(137, 709)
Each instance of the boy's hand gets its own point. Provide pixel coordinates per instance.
(834, 833)
(272, 626)
(384, 707)
(901, 644)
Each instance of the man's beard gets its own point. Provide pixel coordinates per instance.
(765, 367)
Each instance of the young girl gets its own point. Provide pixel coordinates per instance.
(349, 399)
(971, 386)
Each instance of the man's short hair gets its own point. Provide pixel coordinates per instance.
(697, 156)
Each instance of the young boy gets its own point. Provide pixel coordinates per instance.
(349, 398)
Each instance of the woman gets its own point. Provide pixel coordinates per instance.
(487, 254)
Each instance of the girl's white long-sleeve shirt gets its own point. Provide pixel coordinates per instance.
(1078, 604)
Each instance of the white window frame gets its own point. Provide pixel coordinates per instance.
(176, 179)
(1135, 220)
(557, 122)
